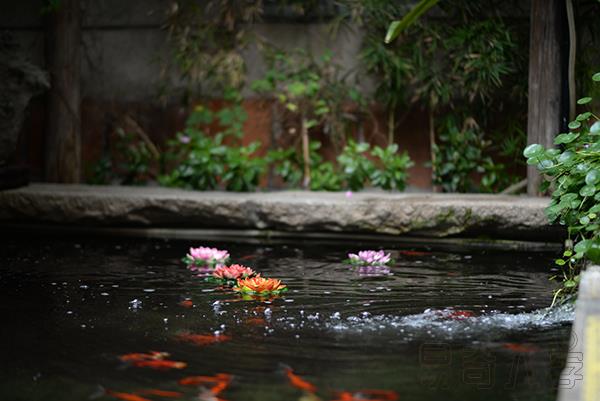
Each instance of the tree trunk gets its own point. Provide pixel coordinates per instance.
(63, 138)
(545, 80)
(305, 154)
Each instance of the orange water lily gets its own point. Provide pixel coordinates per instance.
(259, 285)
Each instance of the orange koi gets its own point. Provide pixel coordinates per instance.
(126, 396)
(414, 253)
(248, 257)
(368, 395)
(161, 393)
(298, 382)
(198, 380)
(521, 348)
(203, 339)
(160, 364)
(152, 355)
(187, 303)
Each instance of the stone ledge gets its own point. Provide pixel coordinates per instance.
(427, 215)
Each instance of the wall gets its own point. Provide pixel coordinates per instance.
(122, 46)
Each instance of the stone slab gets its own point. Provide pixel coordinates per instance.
(422, 215)
(580, 379)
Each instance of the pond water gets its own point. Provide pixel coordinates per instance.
(436, 326)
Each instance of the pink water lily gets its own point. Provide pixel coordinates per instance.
(370, 257)
(202, 258)
(233, 272)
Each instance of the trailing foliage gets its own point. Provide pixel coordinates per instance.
(572, 171)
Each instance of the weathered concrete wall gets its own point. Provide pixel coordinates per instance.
(432, 215)
(122, 46)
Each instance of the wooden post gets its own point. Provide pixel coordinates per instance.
(63, 138)
(545, 80)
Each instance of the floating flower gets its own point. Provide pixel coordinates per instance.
(202, 258)
(370, 258)
(259, 285)
(233, 272)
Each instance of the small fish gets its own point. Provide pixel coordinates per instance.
(413, 253)
(368, 395)
(460, 314)
(187, 303)
(161, 393)
(198, 380)
(298, 382)
(248, 257)
(126, 396)
(152, 355)
(203, 339)
(521, 348)
(160, 364)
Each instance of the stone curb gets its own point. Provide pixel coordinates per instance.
(420, 215)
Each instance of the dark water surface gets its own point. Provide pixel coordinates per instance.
(70, 307)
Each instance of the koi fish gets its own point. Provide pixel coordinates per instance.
(521, 348)
(152, 355)
(368, 395)
(248, 257)
(187, 303)
(460, 314)
(126, 396)
(414, 253)
(160, 364)
(199, 380)
(161, 393)
(298, 382)
(203, 339)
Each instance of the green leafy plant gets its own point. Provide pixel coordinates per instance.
(392, 172)
(312, 91)
(572, 171)
(203, 161)
(356, 167)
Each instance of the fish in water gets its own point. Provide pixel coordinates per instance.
(186, 303)
(125, 396)
(161, 393)
(367, 395)
(298, 382)
(218, 383)
(520, 348)
(460, 314)
(203, 339)
(152, 355)
(160, 364)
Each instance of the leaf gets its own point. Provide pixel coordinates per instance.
(583, 116)
(596, 77)
(574, 124)
(560, 262)
(595, 128)
(570, 284)
(592, 177)
(533, 150)
(587, 190)
(584, 100)
(565, 138)
(396, 27)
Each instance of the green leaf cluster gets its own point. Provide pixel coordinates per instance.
(572, 172)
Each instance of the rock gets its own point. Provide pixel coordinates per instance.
(431, 215)
(19, 82)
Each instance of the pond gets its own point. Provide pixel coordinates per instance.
(437, 326)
